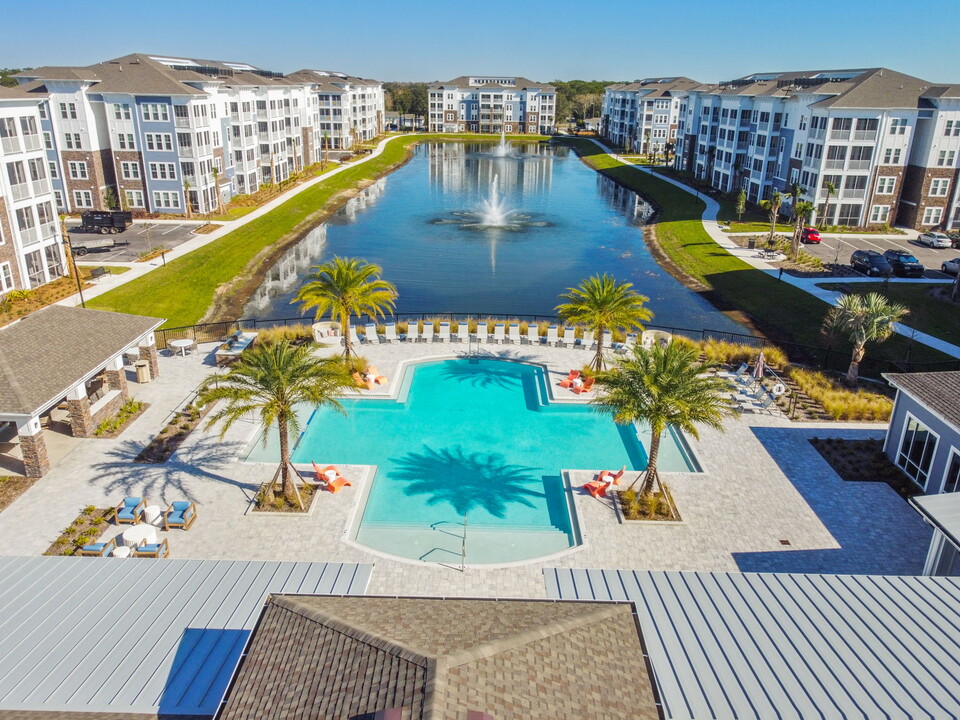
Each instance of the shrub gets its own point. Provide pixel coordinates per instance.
(842, 403)
(298, 333)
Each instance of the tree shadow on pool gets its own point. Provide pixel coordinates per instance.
(482, 376)
(467, 481)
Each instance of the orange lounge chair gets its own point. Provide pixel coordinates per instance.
(568, 381)
(608, 476)
(381, 380)
(321, 473)
(596, 488)
(337, 484)
(361, 383)
(586, 387)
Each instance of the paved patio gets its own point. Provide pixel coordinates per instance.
(763, 484)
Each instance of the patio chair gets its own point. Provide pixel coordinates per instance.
(372, 336)
(513, 335)
(390, 333)
(360, 382)
(568, 380)
(744, 406)
(152, 550)
(482, 332)
(337, 484)
(587, 341)
(180, 514)
(607, 476)
(596, 488)
(102, 549)
(129, 510)
(427, 334)
(586, 387)
(533, 334)
(627, 345)
(444, 334)
(569, 337)
(413, 331)
(354, 338)
(499, 333)
(552, 337)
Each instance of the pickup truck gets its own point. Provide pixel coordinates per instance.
(81, 246)
(108, 222)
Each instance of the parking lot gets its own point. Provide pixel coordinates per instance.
(138, 239)
(837, 249)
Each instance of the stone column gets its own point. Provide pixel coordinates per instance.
(148, 352)
(81, 421)
(116, 377)
(33, 448)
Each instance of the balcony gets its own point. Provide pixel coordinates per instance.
(833, 164)
(32, 142)
(184, 122)
(20, 191)
(10, 144)
(859, 164)
(866, 135)
(29, 236)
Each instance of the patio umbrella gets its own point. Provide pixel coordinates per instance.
(759, 366)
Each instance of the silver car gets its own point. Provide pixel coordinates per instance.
(951, 267)
(934, 240)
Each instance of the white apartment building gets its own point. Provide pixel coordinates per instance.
(888, 143)
(31, 250)
(183, 135)
(492, 104)
(643, 116)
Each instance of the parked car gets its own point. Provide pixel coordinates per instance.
(871, 263)
(903, 263)
(810, 235)
(935, 240)
(951, 267)
(954, 238)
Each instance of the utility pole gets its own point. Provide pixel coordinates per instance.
(73, 260)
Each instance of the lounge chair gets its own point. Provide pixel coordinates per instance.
(513, 334)
(607, 476)
(372, 336)
(627, 345)
(390, 333)
(596, 488)
(152, 550)
(768, 401)
(482, 332)
(552, 337)
(533, 334)
(569, 337)
(180, 514)
(444, 334)
(568, 380)
(129, 510)
(740, 370)
(607, 339)
(354, 338)
(428, 331)
(337, 484)
(586, 387)
(360, 382)
(102, 549)
(499, 333)
(587, 341)
(413, 331)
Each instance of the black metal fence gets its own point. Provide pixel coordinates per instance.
(826, 358)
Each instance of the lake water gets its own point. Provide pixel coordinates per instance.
(419, 224)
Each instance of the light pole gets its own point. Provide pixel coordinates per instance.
(73, 260)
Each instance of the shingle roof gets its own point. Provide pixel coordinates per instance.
(49, 351)
(937, 391)
(33, 90)
(657, 87)
(520, 83)
(440, 658)
(807, 647)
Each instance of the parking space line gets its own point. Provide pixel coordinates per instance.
(171, 229)
(146, 228)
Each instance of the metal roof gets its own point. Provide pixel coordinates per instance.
(728, 645)
(108, 635)
(943, 512)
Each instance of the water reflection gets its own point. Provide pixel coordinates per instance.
(466, 169)
(634, 208)
(285, 274)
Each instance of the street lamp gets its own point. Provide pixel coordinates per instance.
(73, 260)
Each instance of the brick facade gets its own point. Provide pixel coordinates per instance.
(8, 252)
(94, 183)
(83, 423)
(891, 199)
(33, 449)
(917, 197)
(150, 354)
(123, 184)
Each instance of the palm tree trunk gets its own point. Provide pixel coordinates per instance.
(826, 205)
(345, 325)
(598, 358)
(647, 487)
(795, 244)
(853, 371)
(289, 491)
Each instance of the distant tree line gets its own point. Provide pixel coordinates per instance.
(406, 99)
(6, 80)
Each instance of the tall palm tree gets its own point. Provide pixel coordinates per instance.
(772, 206)
(863, 319)
(601, 303)
(347, 286)
(801, 212)
(663, 386)
(271, 380)
(216, 188)
(831, 189)
(796, 190)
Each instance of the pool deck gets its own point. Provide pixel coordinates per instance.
(763, 484)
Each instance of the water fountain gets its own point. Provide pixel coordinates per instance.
(493, 210)
(503, 149)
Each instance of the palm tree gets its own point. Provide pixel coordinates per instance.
(801, 211)
(271, 380)
(668, 151)
(831, 189)
(601, 303)
(863, 319)
(186, 195)
(741, 204)
(216, 188)
(772, 206)
(663, 386)
(796, 190)
(345, 287)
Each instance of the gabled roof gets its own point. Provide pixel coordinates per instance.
(943, 91)
(33, 90)
(350, 657)
(520, 83)
(937, 391)
(81, 341)
(656, 87)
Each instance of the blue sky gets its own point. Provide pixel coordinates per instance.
(708, 40)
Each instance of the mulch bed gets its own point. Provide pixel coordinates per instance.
(88, 526)
(864, 461)
(12, 487)
(171, 437)
(126, 423)
(307, 493)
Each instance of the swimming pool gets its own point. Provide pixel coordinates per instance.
(472, 438)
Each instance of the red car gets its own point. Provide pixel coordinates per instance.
(810, 235)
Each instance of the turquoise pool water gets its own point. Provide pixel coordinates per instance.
(470, 437)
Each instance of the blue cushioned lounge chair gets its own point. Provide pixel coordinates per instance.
(98, 549)
(181, 514)
(129, 510)
(152, 550)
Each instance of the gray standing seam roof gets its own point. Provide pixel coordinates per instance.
(729, 645)
(943, 512)
(102, 635)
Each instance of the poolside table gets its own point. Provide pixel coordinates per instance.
(133, 536)
(120, 552)
(181, 345)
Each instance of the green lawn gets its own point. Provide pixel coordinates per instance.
(185, 288)
(784, 313)
(232, 214)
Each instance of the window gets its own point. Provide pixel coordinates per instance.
(121, 112)
(38, 170)
(43, 111)
(68, 111)
(25, 218)
(891, 156)
(126, 141)
(939, 187)
(54, 261)
(898, 126)
(932, 216)
(879, 213)
(946, 158)
(54, 172)
(130, 170)
(951, 478)
(163, 171)
(134, 198)
(849, 214)
(155, 112)
(952, 128)
(916, 451)
(73, 141)
(48, 141)
(181, 111)
(886, 184)
(78, 170)
(83, 198)
(166, 199)
(6, 277)
(58, 196)
(159, 141)
(45, 213)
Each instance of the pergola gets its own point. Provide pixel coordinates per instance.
(71, 357)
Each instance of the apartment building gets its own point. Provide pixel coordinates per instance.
(886, 142)
(643, 116)
(184, 135)
(492, 104)
(31, 251)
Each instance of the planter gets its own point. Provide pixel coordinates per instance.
(308, 494)
(92, 520)
(172, 435)
(623, 520)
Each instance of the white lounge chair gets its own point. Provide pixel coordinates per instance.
(569, 337)
(627, 345)
(587, 341)
(482, 332)
(533, 334)
(444, 334)
(607, 339)
(372, 336)
(427, 331)
(354, 338)
(552, 337)
(499, 333)
(461, 331)
(514, 334)
(413, 331)
(390, 333)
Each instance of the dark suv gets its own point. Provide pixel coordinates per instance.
(903, 263)
(870, 262)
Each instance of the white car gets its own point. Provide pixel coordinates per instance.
(951, 267)
(934, 240)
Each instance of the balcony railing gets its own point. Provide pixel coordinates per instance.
(848, 193)
(817, 133)
(32, 142)
(840, 134)
(40, 187)
(29, 236)
(859, 164)
(48, 230)
(869, 135)
(833, 164)
(10, 144)
(184, 122)
(20, 191)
